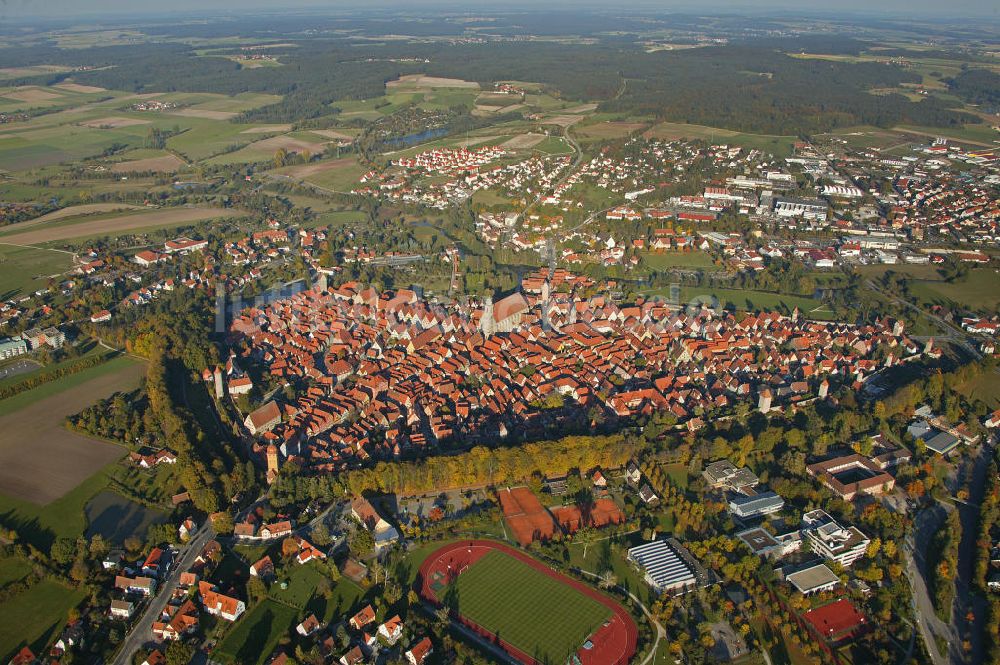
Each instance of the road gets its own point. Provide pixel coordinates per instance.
(925, 524)
(966, 598)
(142, 632)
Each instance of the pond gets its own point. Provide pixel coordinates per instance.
(116, 518)
(414, 139)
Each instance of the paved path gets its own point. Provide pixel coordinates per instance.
(142, 631)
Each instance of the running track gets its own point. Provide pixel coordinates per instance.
(614, 643)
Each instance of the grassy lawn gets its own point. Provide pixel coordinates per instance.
(986, 387)
(534, 612)
(346, 601)
(256, 635)
(554, 145)
(602, 556)
(12, 569)
(981, 291)
(302, 583)
(678, 474)
(26, 269)
(489, 197)
(35, 616)
(668, 260)
(749, 300)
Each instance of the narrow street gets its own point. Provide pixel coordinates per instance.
(141, 632)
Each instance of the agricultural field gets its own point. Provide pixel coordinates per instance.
(24, 270)
(780, 146)
(88, 126)
(107, 224)
(265, 149)
(423, 81)
(610, 129)
(34, 443)
(158, 162)
(76, 211)
(339, 175)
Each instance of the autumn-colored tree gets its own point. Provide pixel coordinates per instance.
(289, 547)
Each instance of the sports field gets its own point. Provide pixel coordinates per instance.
(537, 614)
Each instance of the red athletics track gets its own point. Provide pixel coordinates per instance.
(614, 643)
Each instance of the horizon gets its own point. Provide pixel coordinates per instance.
(851, 9)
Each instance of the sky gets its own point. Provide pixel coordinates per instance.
(892, 8)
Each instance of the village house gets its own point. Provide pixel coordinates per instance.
(218, 604)
(384, 533)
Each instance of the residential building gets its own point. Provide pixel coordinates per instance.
(419, 652)
(220, 605)
(10, 348)
(384, 533)
(141, 585)
(122, 609)
(391, 630)
(364, 617)
(308, 626)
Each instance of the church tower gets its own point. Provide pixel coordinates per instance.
(486, 321)
(272, 463)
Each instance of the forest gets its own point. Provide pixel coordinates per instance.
(749, 85)
(977, 86)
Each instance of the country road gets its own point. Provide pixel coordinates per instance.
(141, 632)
